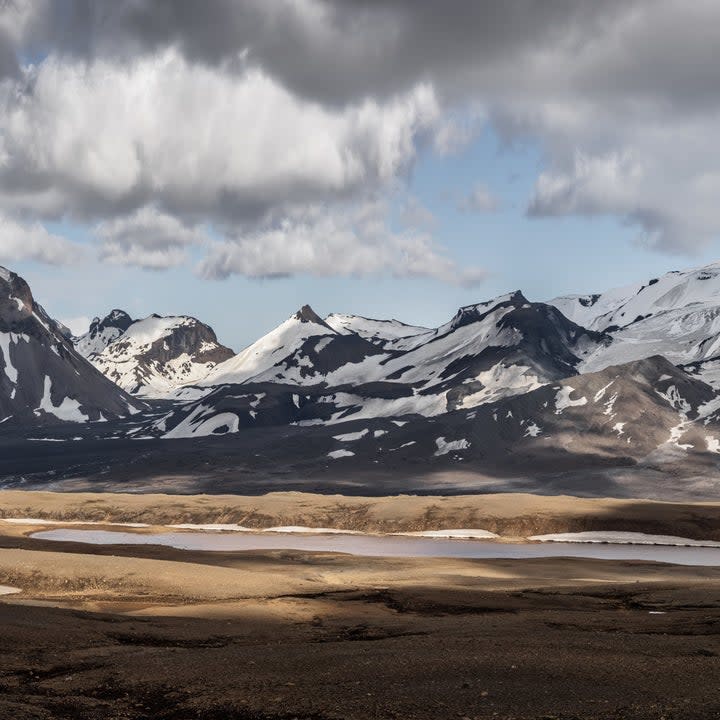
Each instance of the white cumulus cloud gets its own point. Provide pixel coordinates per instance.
(353, 241)
(100, 137)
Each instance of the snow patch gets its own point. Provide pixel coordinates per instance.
(351, 437)
(193, 425)
(499, 382)
(322, 344)
(68, 410)
(601, 392)
(10, 370)
(610, 404)
(211, 527)
(563, 401)
(43, 521)
(310, 530)
(444, 447)
(676, 400)
(404, 445)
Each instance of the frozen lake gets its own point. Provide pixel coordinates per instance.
(389, 545)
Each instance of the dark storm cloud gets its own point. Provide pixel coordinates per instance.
(9, 66)
(333, 51)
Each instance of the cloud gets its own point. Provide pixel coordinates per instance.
(414, 214)
(355, 241)
(331, 51)
(19, 242)
(15, 18)
(148, 239)
(105, 138)
(236, 112)
(479, 200)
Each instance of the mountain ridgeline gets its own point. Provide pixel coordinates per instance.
(613, 383)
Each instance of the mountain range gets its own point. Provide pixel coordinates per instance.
(609, 393)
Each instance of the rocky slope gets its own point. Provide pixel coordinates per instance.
(43, 379)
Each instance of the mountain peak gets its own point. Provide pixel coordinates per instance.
(16, 301)
(473, 313)
(116, 318)
(515, 297)
(307, 315)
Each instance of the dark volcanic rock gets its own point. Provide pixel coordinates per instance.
(43, 380)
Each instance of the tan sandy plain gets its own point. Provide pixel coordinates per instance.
(512, 516)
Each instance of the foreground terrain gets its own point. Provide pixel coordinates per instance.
(151, 632)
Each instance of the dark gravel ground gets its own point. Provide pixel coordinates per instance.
(425, 653)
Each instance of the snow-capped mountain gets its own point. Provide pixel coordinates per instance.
(487, 351)
(304, 350)
(43, 380)
(154, 356)
(491, 350)
(621, 307)
(506, 388)
(676, 315)
(102, 332)
(306, 372)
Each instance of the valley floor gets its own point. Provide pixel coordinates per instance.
(139, 632)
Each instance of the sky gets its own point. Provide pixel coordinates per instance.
(236, 159)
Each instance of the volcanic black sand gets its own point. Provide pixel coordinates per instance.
(147, 632)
